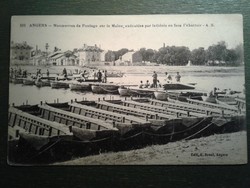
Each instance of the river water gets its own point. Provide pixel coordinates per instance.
(206, 78)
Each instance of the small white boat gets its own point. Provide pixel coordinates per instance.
(161, 95)
(124, 91)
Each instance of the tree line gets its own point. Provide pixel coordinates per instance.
(217, 54)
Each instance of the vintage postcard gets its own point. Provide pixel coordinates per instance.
(122, 90)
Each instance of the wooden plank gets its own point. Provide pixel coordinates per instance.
(134, 111)
(160, 109)
(108, 114)
(71, 116)
(34, 119)
(211, 105)
(186, 106)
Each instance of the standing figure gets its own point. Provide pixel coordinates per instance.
(141, 84)
(99, 76)
(105, 76)
(154, 80)
(47, 73)
(94, 74)
(168, 77)
(64, 72)
(178, 77)
(11, 73)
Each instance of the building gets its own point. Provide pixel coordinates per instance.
(89, 54)
(63, 58)
(20, 51)
(107, 56)
(131, 58)
(39, 59)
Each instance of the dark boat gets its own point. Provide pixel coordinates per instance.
(28, 81)
(103, 88)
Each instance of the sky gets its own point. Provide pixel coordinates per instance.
(132, 32)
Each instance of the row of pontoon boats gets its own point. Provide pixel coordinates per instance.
(178, 91)
(50, 132)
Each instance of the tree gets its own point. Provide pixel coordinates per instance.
(239, 53)
(198, 56)
(110, 56)
(217, 52)
(120, 53)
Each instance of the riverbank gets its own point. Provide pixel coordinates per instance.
(216, 149)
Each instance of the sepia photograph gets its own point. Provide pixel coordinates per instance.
(127, 90)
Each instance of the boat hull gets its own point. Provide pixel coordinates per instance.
(28, 82)
(57, 85)
(103, 89)
(175, 86)
(80, 86)
(42, 83)
(162, 96)
(17, 80)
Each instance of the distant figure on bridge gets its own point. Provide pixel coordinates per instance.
(178, 77)
(154, 80)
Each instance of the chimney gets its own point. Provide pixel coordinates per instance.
(163, 45)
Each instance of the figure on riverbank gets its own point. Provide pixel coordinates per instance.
(24, 73)
(64, 72)
(168, 77)
(11, 73)
(178, 77)
(94, 74)
(105, 77)
(99, 76)
(147, 85)
(154, 80)
(47, 73)
(141, 84)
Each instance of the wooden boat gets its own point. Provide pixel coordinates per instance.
(103, 88)
(42, 82)
(45, 130)
(136, 91)
(161, 95)
(28, 81)
(59, 84)
(84, 86)
(177, 86)
(17, 80)
(115, 74)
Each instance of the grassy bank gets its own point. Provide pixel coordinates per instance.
(216, 149)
